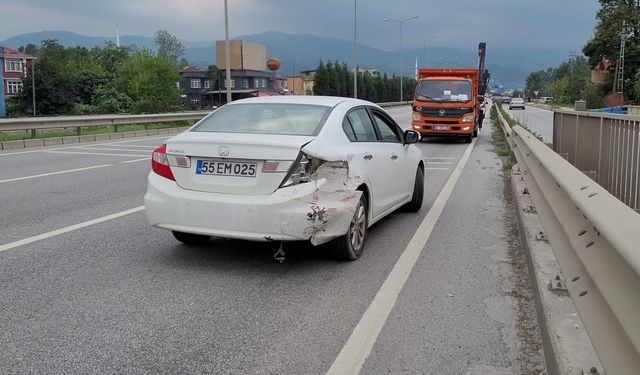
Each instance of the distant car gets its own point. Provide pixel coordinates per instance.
(286, 168)
(546, 99)
(505, 99)
(516, 103)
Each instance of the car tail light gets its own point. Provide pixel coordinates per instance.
(302, 169)
(274, 166)
(160, 163)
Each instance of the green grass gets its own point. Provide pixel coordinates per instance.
(502, 146)
(17, 136)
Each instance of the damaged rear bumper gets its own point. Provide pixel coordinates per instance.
(317, 211)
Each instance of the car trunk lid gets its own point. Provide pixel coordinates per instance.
(224, 162)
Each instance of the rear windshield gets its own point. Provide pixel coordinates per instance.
(517, 100)
(443, 90)
(269, 118)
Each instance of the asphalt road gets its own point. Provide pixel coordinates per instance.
(537, 119)
(119, 296)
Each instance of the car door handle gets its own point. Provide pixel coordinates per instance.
(394, 156)
(367, 156)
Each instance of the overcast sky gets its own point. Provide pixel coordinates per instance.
(538, 24)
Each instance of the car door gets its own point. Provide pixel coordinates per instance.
(394, 158)
(369, 158)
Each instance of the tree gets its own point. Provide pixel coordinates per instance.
(322, 80)
(214, 75)
(107, 99)
(168, 46)
(605, 43)
(110, 57)
(29, 49)
(150, 81)
(54, 82)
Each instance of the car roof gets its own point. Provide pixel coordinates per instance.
(330, 101)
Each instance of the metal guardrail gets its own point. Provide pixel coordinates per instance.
(606, 147)
(57, 122)
(596, 240)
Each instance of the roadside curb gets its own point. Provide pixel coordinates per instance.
(42, 142)
(566, 344)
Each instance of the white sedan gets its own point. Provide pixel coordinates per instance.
(289, 168)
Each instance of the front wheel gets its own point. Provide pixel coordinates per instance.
(415, 203)
(190, 238)
(475, 132)
(468, 138)
(351, 245)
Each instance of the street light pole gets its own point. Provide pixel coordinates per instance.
(355, 63)
(401, 68)
(33, 85)
(227, 58)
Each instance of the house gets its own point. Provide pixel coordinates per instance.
(249, 73)
(303, 83)
(14, 71)
(195, 84)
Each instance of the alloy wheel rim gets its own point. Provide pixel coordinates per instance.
(358, 227)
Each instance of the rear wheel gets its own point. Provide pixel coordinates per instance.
(351, 245)
(190, 238)
(418, 193)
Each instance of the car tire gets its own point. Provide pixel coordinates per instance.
(190, 238)
(415, 204)
(351, 245)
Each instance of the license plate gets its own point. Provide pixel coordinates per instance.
(226, 168)
(440, 128)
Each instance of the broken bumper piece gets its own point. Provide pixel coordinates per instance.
(317, 211)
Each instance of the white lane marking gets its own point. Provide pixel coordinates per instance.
(360, 343)
(139, 139)
(437, 169)
(440, 162)
(133, 161)
(438, 158)
(112, 149)
(54, 173)
(92, 153)
(68, 229)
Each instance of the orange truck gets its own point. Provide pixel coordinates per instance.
(449, 102)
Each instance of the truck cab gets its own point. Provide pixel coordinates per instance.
(446, 103)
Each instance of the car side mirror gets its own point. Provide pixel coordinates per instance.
(411, 136)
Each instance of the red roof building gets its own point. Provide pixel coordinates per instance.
(15, 67)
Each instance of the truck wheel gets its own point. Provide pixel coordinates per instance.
(468, 138)
(475, 132)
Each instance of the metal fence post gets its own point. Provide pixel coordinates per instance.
(599, 152)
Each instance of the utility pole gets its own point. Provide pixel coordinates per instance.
(618, 80)
(355, 63)
(227, 58)
(33, 84)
